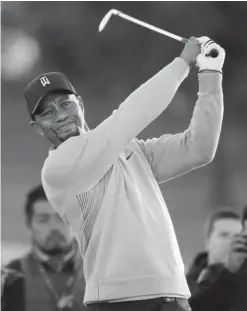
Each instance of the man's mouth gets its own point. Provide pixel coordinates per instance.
(66, 126)
(55, 237)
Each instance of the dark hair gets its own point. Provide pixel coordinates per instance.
(244, 214)
(221, 214)
(36, 194)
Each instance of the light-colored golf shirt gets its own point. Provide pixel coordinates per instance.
(104, 184)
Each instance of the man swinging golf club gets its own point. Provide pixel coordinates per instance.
(104, 182)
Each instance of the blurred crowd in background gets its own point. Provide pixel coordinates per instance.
(105, 68)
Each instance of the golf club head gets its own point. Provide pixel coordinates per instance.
(106, 19)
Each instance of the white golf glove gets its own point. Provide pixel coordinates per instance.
(206, 62)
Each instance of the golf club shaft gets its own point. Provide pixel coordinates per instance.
(151, 27)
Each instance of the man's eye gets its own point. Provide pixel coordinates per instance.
(46, 113)
(66, 104)
(42, 218)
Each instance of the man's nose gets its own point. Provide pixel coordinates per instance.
(61, 115)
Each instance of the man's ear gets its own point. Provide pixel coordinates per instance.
(81, 103)
(36, 127)
(82, 108)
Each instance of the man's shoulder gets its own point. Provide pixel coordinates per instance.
(15, 264)
(13, 288)
(198, 264)
(135, 145)
(62, 158)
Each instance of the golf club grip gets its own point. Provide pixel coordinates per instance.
(213, 53)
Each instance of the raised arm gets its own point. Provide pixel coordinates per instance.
(173, 155)
(88, 157)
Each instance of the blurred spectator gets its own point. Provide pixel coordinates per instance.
(221, 227)
(53, 268)
(11, 284)
(244, 219)
(221, 286)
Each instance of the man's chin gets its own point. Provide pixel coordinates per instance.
(66, 136)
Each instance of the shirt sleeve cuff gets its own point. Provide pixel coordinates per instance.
(210, 82)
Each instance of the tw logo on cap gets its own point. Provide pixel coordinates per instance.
(44, 81)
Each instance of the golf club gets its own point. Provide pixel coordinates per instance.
(213, 53)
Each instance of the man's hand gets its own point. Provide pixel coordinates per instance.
(191, 51)
(206, 62)
(237, 253)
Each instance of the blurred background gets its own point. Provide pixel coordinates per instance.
(105, 68)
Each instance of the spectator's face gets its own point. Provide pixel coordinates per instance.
(219, 240)
(49, 232)
(59, 117)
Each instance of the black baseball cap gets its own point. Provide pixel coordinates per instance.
(43, 85)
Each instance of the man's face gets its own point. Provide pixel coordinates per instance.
(59, 117)
(49, 232)
(219, 240)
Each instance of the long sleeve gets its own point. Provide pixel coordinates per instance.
(173, 155)
(93, 153)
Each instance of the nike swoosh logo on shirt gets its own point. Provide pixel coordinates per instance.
(129, 156)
